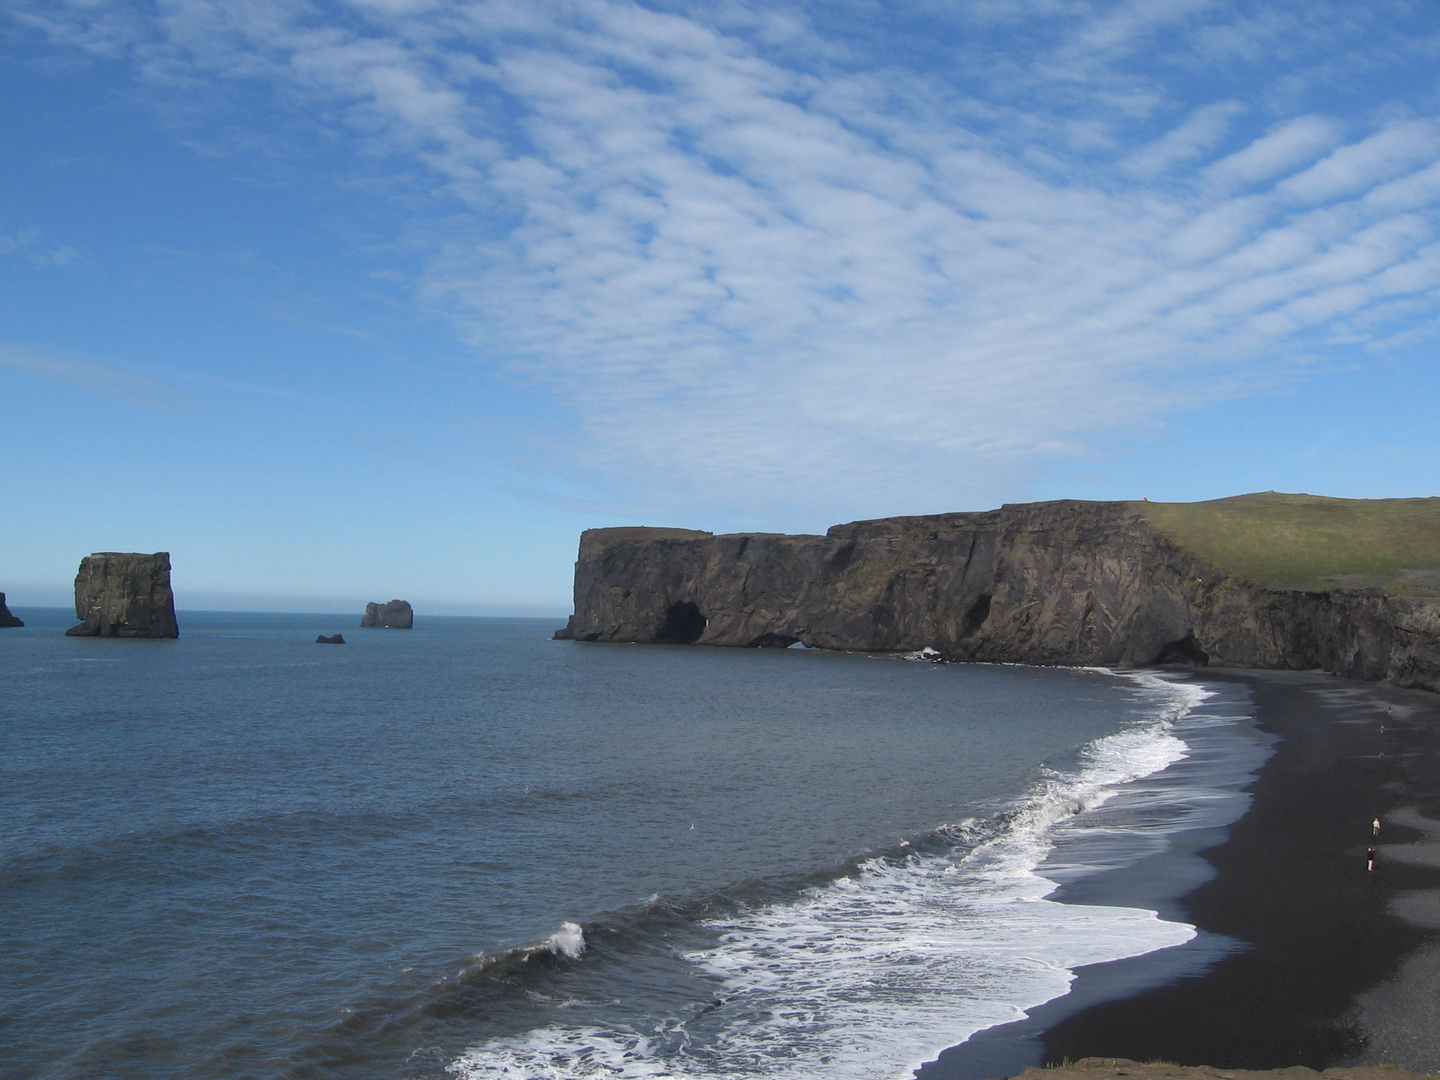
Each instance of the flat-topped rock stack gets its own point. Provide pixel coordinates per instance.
(396, 615)
(124, 594)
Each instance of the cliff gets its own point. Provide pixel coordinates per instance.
(1087, 583)
(396, 615)
(6, 619)
(124, 595)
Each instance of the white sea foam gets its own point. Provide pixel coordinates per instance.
(874, 974)
(926, 654)
(569, 941)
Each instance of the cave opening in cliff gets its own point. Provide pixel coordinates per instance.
(774, 641)
(683, 625)
(1186, 651)
(977, 614)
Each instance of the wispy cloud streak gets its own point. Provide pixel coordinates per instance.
(107, 380)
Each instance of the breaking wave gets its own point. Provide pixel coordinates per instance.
(873, 971)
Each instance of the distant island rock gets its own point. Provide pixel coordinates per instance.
(6, 619)
(396, 615)
(333, 639)
(124, 594)
(1268, 580)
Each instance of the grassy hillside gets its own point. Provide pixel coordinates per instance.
(1311, 542)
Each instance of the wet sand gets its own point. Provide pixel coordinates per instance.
(1304, 957)
(1121, 1069)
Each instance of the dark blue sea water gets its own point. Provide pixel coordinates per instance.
(467, 850)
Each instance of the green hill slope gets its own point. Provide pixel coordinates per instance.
(1311, 542)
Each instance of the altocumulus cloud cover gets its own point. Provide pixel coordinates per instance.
(853, 258)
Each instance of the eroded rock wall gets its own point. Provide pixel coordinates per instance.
(1047, 583)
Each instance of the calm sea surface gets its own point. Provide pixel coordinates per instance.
(469, 851)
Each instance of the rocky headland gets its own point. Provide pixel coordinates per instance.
(7, 619)
(1067, 582)
(124, 594)
(396, 615)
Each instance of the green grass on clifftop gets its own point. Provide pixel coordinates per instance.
(1311, 542)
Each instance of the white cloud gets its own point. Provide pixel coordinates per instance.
(26, 243)
(1292, 144)
(1200, 132)
(1360, 166)
(806, 286)
(19, 241)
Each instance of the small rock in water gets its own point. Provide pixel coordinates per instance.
(333, 639)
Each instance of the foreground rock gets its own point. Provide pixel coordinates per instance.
(124, 594)
(6, 619)
(1123, 1069)
(1087, 583)
(396, 615)
(333, 639)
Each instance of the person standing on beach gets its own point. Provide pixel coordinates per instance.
(1375, 827)
(1370, 854)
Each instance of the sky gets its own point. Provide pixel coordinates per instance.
(345, 301)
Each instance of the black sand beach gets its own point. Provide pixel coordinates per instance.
(1304, 956)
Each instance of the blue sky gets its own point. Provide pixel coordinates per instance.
(346, 301)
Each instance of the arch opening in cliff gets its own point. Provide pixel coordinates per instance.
(683, 625)
(774, 641)
(1186, 652)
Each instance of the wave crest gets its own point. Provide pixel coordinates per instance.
(872, 973)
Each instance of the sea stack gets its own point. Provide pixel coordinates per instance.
(124, 594)
(396, 615)
(6, 619)
(333, 639)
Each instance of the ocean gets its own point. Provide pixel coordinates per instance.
(468, 851)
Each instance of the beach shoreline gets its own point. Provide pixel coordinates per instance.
(1302, 956)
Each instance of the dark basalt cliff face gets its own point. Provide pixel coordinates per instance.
(6, 619)
(1040, 583)
(124, 594)
(396, 615)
